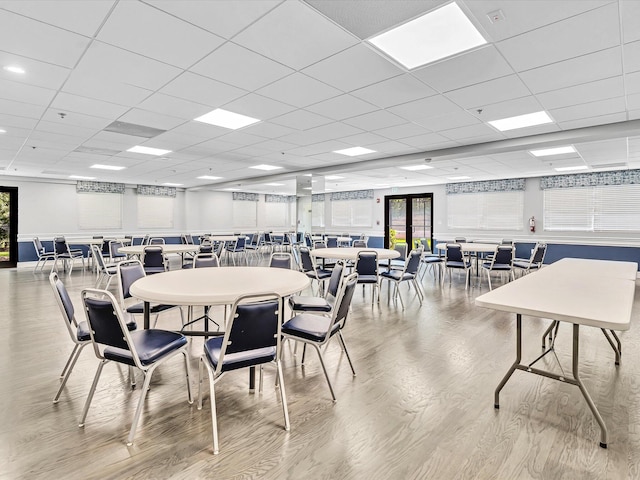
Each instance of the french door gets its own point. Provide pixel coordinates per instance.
(8, 227)
(408, 219)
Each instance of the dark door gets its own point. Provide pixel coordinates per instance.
(8, 227)
(408, 219)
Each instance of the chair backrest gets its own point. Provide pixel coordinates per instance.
(153, 256)
(332, 242)
(60, 245)
(145, 240)
(413, 262)
(241, 242)
(307, 261)
(217, 249)
(334, 281)
(97, 255)
(538, 254)
(460, 240)
(402, 248)
(503, 255)
(308, 241)
(203, 260)
(343, 301)
(37, 244)
(156, 241)
(128, 272)
(254, 324)
(65, 304)
(319, 244)
(454, 253)
(114, 246)
(281, 260)
(506, 241)
(205, 248)
(367, 262)
(359, 244)
(106, 322)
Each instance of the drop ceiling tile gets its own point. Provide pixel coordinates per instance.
(586, 33)
(21, 92)
(321, 134)
(299, 90)
(633, 101)
(632, 57)
(586, 110)
(630, 16)
(341, 107)
(39, 41)
(66, 102)
(584, 93)
(402, 131)
(222, 17)
(276, 146)
(317, 148)
(447, 122)
(21, 109)
(425, 142)
(267, 130)
(142, 29)
(435, 106)
(13, 121)
(86, 84)
(491, 91)
(354, 68)
(174, 107)
(375, 120)
(463, 70)
(392, 148)
(177, 141)
(574, 71)
(536, 130)
(471, 131)
(237, 66)
(138, 116)
(240, 137)
(295, 35)
(203, 90)
(363, 140)
(301, 120)
(200, 130)
(257, 106)
(395, 91)
(632, 82)
(40, 74)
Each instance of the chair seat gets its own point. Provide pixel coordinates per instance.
(525, 264)
(487, 265)
(367, 278)
(432, 259)
(397, 275)
(233, 361)
(151, 345)
(309, 303)
(152, 270)
(83, 334)
(320, 273)
(458, 264)
(309, 326)
(138, 308)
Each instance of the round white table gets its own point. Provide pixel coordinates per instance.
(472, 247)
(351, 253)
(166, 248)
(222, 238)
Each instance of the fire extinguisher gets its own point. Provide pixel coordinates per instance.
(532, 224)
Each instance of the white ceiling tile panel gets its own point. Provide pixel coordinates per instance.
(10, 107)
(21, 92)
(276, 146)
(574, 71)
(40, 74)
(174, 107)
(392, 148)
(299, 90)
(446, 122)
(235, 65)
(138, 116)
(631, 56)
(630, 15)
(294, 35)
(39, 41)
(395, 91)
(584, 93)
(470, 131)
(322, 133)
(153, 33)
(595, 120)
(301, 120)
(491, 91)
(632, 82)
(633, 101)
(364, 139)
(466, 69)
(267, 130)
(317, 148)
(8, 122)
(593, 109)
(586, 33)
(375, 120)
(66, 102)
(402, 131)
(435, 106)
(203, 90)
(352, 69)
(341, 107)
(87, 84)
(509, 108)
(257, 106)
(426, 142)
(202, 131)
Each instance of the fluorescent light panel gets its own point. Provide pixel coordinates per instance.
(14, 69)
(148, 150)
(354, 151)
(81, 177)
(275, 184)
(438, 34)
(571, 169)
(461, 177)
(169, 184)
(413, 168)
(333, 177)
(2, 130)
(107, 167)
(209, 177)
(521, 121)
(265, 167)
(226, 119)
(546, 152)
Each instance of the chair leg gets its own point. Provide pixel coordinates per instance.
(66, 372)
(214, 414)
(92, 390)
(143, 395)
(283, 395)
(399, 295)
(324, 369)
(489, 279)
(187, 376)
(346, 352)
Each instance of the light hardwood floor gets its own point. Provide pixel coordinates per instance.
(420, 407)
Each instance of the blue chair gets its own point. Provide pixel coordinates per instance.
(153, 260)
(455, 260)
(367, 269)
(535, 262)
(66, 254)
(311, 270)
(252, 338)
(105, 272)
(318, 330)
(281, 260)
(408, 274)
(500, 262)
(113, 342)
(308, 303)
(43, 254)
(114, 251)
(238, 247)
(332, 242)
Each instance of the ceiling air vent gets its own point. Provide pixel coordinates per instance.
(610, 165)
(133, 129)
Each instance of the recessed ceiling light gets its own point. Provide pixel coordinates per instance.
(462, 177)
(333, 177)
(417, 167)
(169, 184)
(275, 184)
(354, 151)
(382, 186)
(226, 119)
(107, 167)
(521, 121)
(570, 169)
(148, 150)
(265, 167)
(81, 177)
(308, 175)
(14, 69)
(209, 177)
(2, 130)
(307, 188)
(232, 189)
(438, 34)
(545, 152)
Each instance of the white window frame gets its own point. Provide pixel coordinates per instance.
(500, 211)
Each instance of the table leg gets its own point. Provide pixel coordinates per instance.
(147, 315)
(252, 379)
(585, 394)
(516, 363)
(617, 349)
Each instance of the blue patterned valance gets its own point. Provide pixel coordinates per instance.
(507, 185)
(317, 197)
(354, 195)
(156, 191)
(270, 198)
(247, 197)
(87, 186)
(620, 177)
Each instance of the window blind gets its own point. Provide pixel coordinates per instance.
(155, 212)
(352, 213)
(277, 214)
(99, 211)
(245, 214)
(486, 211)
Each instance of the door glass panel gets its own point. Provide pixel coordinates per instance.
(397, 221)
(5, 227)
(421, 222)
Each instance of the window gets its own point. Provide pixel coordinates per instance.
(245, 213)
(155, 212)
(351, 213)
(600, 208)
(99, 211)
(317, 214)
(278, 214)
(486, 210)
